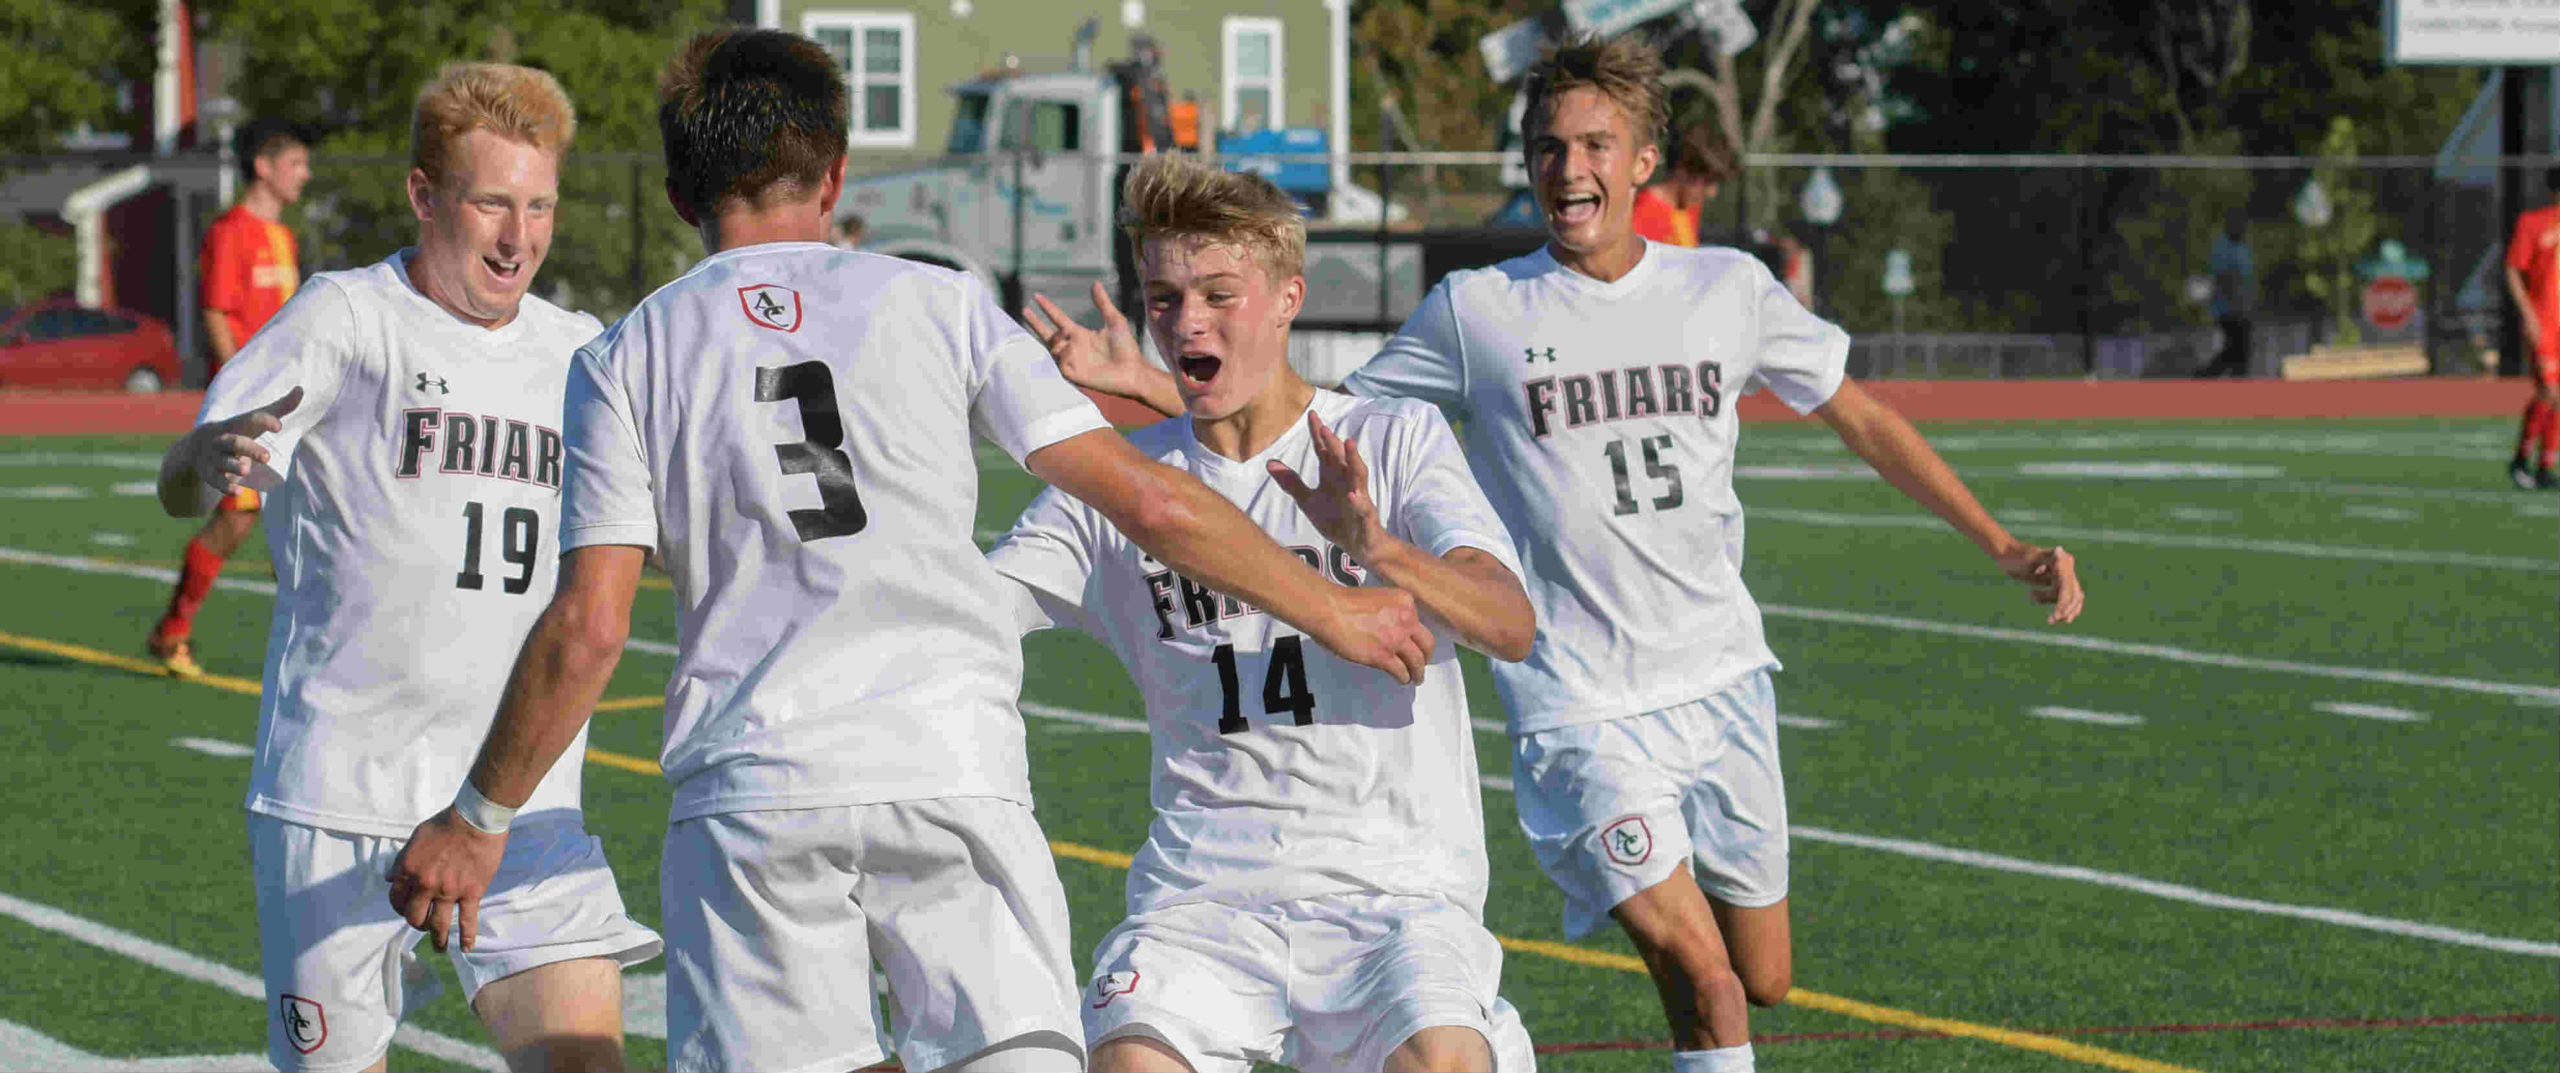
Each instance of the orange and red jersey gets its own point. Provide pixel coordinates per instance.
(249, 269)
(1658, 219)
(2534, 252)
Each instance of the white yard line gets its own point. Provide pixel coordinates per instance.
(2084, 715)
(113, 540)
(2383, 712)
(1807, 722)
(67, 458)
(2380, 514)
(213, 747)
(43, 491)
(204, 970)
(135, 488)
(2171, 653)
(1914, 520)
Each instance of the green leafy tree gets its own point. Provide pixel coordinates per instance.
(47, 91)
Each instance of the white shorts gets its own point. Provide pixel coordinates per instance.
(773, 919)
(1612, 808)
(1332, 982)
(342, 968)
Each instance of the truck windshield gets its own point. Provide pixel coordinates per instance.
(969, 124)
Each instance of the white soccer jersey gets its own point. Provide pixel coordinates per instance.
(413, 514)
(789, 424)
(1281, 770)
(1602, 417)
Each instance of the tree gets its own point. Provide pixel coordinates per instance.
(47, 90)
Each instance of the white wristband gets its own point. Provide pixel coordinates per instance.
(484, 815)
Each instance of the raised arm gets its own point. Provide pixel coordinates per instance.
(1189, 528)
(1108, 360)
(1467, 588)
(1898, 452)
(217, 456)
(561, 671)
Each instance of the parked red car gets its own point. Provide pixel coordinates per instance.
(59, 344)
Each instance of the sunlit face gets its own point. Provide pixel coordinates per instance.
(284, 171)
(1587, 160)
(483, 231)
(1219, 319)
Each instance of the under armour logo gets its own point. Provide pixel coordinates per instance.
(1535, 354)
(438, 381)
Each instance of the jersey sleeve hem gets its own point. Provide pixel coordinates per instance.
(1835, 370)
(628, 533)
(1060, 427)
(1495, 546)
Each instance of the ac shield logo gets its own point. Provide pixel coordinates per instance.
(1111, 985)
(771, 306)
(1627, 841)
(306, 1025)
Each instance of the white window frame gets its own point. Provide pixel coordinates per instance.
(1232, 28)
(855, 22)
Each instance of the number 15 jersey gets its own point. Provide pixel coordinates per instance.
(790, 425)
(1281, 770)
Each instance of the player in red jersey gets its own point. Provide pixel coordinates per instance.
(249, 269)
(2533, 280)
(1669, 211)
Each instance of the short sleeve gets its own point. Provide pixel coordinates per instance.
(1018, 399)
(308, 345)
(1049, 556)
(1424, 360)
(1802, 357)
(605, 496)
(1440, 507)
(2521, 244)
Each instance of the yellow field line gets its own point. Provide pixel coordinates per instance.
(1847, 1007)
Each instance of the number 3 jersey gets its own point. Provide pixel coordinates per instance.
(1602, 417)
(412, 516)
(790, 425)
(1281, 770)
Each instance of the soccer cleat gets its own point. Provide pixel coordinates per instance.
(2544, 478)
(2521, 472)
(177, 657)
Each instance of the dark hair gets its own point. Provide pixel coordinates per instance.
(258, 139)
(750, 114)
(1703, 153)
(2551, 180)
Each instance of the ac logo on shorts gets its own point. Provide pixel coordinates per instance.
(771, 306)
(1627, 841)
(306, 1025)
(1111, 985)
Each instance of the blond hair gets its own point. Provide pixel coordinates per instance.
(1627, 69)
(1171, 196)
(517, 103)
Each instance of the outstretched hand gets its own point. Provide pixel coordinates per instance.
(1107, 360)
(2051, 577)
(1339, 505)
(224, 459)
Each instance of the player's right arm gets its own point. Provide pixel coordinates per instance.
(1203, 537)
(217, 332)
(2524, 308)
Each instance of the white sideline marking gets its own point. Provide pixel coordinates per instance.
(644, 1005)
(1855, 618)
(2529, 564)
(113, 540)
(2381, 514)
(2027, 515)
(1848, 471)
(2186, 513)
(2084, 715)
(1996, 862)
(213, 747)
(1807, 722)
(2183, 893)
(25, 1050)
(2538, 510)
(2383, 712)
(2171, 653)
(42, 491)
(2150, 471)
(204, 970)
(64, 458)
(2400, 445)
(134, 488)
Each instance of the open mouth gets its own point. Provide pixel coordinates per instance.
(506, 271)
(1577, 208)
(1199, 369)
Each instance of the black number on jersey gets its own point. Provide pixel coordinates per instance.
(821, 453)
(1654, 467)
(520, 543)
(1284, 685)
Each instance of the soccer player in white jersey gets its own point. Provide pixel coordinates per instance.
(1597, 379)
(789, 424)
(1312, 890)
(404, 419)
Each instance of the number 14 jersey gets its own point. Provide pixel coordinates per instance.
(1281, 771)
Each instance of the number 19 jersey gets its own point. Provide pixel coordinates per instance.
(1281, 770)
(414, 508)
(789, 424)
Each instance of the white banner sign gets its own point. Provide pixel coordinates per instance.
(1727, 22)
(2506, 33)
(1509, 51)
(1609, 18)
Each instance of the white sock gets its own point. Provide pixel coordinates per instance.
(1719, 1060)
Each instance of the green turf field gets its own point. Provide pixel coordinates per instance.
(2285, 798)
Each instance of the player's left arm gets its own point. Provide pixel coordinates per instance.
(1468, 588)
(1898, 452)
(558, 676)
